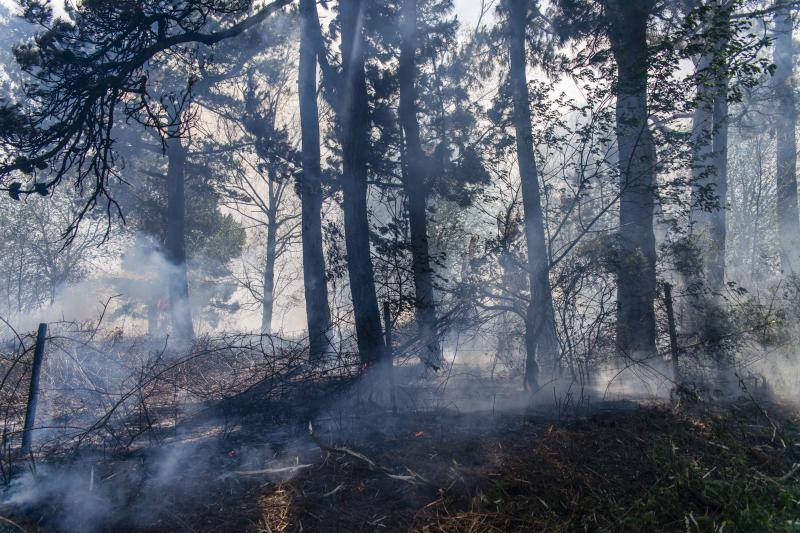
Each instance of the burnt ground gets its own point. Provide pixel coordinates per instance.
(622, 467)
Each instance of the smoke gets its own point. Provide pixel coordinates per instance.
(131, 291)
(82, 505)
(156, 486)
(652, 379)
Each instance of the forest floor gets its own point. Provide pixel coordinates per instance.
(623, 467)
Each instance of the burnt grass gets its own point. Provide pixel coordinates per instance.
(621, 467)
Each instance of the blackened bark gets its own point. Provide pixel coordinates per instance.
(786, 124)
(175, 243)
(415, 185)
(636, 292)
(354, 122)
(315, 285)
(541, 341)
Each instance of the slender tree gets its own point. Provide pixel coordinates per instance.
(416, 186)
(175, 242)
(279, 225)
(710, 139)
(701, 138)
(717, 224)
(314, 283)
(540, 328)
(354, 124)
(785, 127)
(704, 214)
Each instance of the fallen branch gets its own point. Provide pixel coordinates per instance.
(360, 456)
(11, 523)
(334, 491)
(790, 474)
(272, 470)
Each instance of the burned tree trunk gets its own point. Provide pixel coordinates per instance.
(354, 122)
(33, 390)
(175, 243)
(541, 341)
(636, 292)
(314, 282)
(786, 124)
(415, 185)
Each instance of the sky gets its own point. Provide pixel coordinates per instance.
(468, 10)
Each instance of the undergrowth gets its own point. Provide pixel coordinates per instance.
(706, 469)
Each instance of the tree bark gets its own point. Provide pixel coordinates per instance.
(541, 341)
(416, 188)
(636, 287)
(717, 224)
(316, 288)
(175, 243)
(710, 172)
(786, 124)
(710, 140)
(702, 141)
(268, 296)
(354, 123)
(702, 167)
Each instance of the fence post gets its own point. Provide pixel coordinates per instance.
(673, 332)
(389, 356)
(33, 392)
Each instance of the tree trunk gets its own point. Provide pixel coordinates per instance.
(541, 341)
(152, 318)
(416, 188)
(711, 121)
(175, 244)
(717, 224)
(706, 309)
(636, 286)
(268, 296)
(702, 141)
(710, 142)
(355, 125)
(786, 123)
(316, 288)
(702, 167)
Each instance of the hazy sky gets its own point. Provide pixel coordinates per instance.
(469, 10)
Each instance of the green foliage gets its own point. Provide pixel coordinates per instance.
(715, 491)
